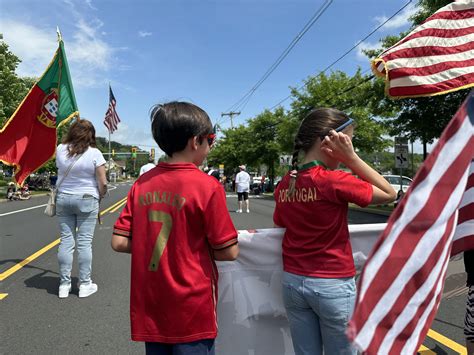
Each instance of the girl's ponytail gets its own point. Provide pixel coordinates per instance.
(294, 168)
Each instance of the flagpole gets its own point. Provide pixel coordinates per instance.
(110, 158)
(110, 152)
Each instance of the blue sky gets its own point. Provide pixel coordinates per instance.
(207, 52)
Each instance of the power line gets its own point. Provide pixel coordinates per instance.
(350, 50)
(282, 56)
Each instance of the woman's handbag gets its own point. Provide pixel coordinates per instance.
(50, 209)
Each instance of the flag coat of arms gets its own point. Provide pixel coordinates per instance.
(28, 139)
(402, 282)
(435, 58)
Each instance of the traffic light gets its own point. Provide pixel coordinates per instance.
(113, 152)
(152, 153)
(134, 153)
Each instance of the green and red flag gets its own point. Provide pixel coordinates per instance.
(28, 139)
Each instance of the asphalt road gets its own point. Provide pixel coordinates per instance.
(34, 320)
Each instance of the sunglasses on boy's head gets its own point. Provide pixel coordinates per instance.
(211, 138)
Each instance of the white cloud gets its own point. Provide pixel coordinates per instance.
(364, 46)
(88, 49)
(144, 34)
(400, 20)
(89, 3)
(89, 56)
(35, 47)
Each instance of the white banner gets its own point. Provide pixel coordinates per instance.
(252, 318)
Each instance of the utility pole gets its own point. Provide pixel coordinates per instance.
(231, 114)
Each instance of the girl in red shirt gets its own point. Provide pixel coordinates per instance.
(312, 204)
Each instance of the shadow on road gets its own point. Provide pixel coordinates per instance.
(48, 280)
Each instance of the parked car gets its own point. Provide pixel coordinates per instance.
(394, 180)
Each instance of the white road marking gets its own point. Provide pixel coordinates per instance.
(23, 210)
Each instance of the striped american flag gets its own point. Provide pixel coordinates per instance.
(112, 119)
(436, 57)
(401, 285)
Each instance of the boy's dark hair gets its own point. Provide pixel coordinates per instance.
(174, 123)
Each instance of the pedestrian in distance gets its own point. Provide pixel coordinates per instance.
(312, 204)
(82, 183)
(11, 191)
(148, 166)
(242, 184)
(214, 173)
(176, 224)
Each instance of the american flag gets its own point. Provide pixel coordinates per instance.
(112, 119)
(402, 282)
(436, 57)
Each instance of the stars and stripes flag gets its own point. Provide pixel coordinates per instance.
(436, 57)
(401, 285)
(112, 119)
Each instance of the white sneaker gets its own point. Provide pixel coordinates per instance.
(64, 290)
(248, 211)
(239, 211)
(86, 290)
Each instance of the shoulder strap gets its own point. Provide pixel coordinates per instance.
(68, 170)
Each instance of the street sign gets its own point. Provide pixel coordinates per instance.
(401, 152)
(285, 160)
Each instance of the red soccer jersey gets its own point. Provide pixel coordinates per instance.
(174, 214)
(316, 241)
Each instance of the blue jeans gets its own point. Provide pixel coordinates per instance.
(77, 216)
(318, 311)
(200, 347)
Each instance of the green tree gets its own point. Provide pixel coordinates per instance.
(232, 149)
(353, 95)
(12, 88)
(264, 147)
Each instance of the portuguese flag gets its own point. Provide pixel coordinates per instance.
(28, 139)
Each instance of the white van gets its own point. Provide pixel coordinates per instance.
(394, 180)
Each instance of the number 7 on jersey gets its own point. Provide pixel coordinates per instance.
(162, 239)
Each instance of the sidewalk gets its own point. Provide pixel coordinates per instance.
(4, 199)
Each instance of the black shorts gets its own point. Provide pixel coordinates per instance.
(245, 195)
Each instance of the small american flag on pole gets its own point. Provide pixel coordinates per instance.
(401, 285)
(436, 57)
(112, 119)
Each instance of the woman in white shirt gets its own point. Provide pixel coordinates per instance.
(81, 184)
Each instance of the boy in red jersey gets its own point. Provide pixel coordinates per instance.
(175, 224)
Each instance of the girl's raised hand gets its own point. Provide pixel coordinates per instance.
(338, 146)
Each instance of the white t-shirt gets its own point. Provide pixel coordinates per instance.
(242, 181)
(146, 167)
(81, 178)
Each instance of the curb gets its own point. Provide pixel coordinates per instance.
(4, 200)
(370, 210)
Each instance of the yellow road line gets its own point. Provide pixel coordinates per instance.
(3, 295)
(119, 206)
(447, 342)
(114, 205)
(29, 259)
(32, 257)
(423, 350)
